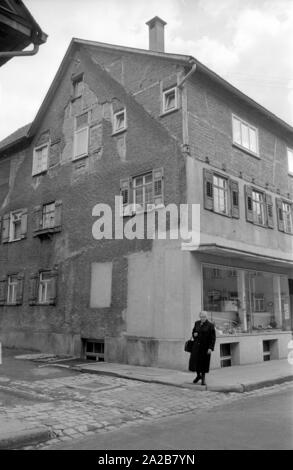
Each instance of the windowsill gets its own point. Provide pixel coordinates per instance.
(253, 333)
(80, 157)
(164, 113)
(15, 240)
(45, 231)
(40, 173)
(244, 149)
(120, 131)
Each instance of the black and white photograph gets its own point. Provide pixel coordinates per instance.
(146, 229)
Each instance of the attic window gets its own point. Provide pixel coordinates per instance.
(77, 85)
(170, 100)
(119, 121)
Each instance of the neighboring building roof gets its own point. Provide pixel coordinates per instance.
(179, 58)
(18, 28)
(15, 138)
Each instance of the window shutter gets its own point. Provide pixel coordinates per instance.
(234, 192)
(33, 289)
(270, 216)
(37, 218)
(208, 189)
(5, 228)
(248, 203)
(125, 193)
(280, 217)
(53, 287)
(24, 223)
(19, 289)
(3, 291)
(158, 186)
(58, 214)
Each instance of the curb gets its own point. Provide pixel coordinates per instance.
(20, 439)
(236, 388)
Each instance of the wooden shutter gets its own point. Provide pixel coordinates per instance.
(234, 193)
(58, 214)
(280, 217)
(125, 193)
(158, 186)
(33, 288)
(3, 291)
(37, 218)
(23, 227)
(53, 287)
(5, 228)
(269, 206)
(248, 203)
(19, 289)
(208, 189)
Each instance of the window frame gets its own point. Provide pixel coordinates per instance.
(9, 284)
(12, 225)
(76, 80)
(164, 94)
(225, 190)
(249, 126)
(40, 283)
(76, 132)
(290, 152)
(44, 168)
(262, 204)
(116, 114)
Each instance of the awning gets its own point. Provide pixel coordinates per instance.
(220, 250)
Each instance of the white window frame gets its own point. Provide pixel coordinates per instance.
(12, 286)
(261, 203)
(43, 288)
(217, 191)
(290, 159)
(44, 163)
(76, 132)
(165, 109)
(13, 219)
(141, 207)
(287, 217)
(250, 127)
(116, 115)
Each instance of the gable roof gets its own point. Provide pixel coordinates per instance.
(185, 60)
(15, 138)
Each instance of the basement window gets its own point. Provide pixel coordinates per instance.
(119, 121)
(94, 349)
(170, 100)
(225, 355)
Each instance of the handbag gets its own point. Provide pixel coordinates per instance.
(188, 345)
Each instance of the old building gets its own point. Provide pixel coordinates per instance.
(158, 129)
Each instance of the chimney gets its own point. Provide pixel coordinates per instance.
(156, 34)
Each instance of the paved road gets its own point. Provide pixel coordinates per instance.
(262, 421)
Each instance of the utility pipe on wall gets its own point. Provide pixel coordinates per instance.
(20, 53)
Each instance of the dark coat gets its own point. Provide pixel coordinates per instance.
(199, 358)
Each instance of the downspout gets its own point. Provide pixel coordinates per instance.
(20, 53)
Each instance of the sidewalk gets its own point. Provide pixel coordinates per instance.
(15, 434)
(228, 379)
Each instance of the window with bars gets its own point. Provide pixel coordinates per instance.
(245, 135)
(221, 194)
(40, 159)
(143, 192)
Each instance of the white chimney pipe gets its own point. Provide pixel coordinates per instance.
(156, 34)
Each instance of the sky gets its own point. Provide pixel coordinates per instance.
(247, 42)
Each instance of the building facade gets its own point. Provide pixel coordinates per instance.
(156, 129)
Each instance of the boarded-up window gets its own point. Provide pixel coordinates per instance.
(101, 285)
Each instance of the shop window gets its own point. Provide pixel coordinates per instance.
(244, 301)
(93, 349)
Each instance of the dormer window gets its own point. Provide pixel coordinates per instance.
(169, 100)
(119, 121)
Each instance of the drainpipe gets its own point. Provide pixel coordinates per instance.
(191, 71)
(20, 53)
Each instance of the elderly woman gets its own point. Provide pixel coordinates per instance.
(204, 342)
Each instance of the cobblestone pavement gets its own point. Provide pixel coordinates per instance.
(82, 405)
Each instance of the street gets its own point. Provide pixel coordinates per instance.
(90, 411)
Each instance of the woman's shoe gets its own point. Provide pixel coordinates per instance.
(197, 379)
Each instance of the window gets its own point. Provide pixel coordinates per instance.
(249, 301)
(221, 194)
(14, 226)
(40, 159)
(47, 218)
(143, 192)
(119, 121)
(11, 289)
(170, 100)
(94, 349)
(290, 160)
(81, 136)
(77, 86)
(245, 135)
(43, 288)
(284, 216)
(259, 207)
